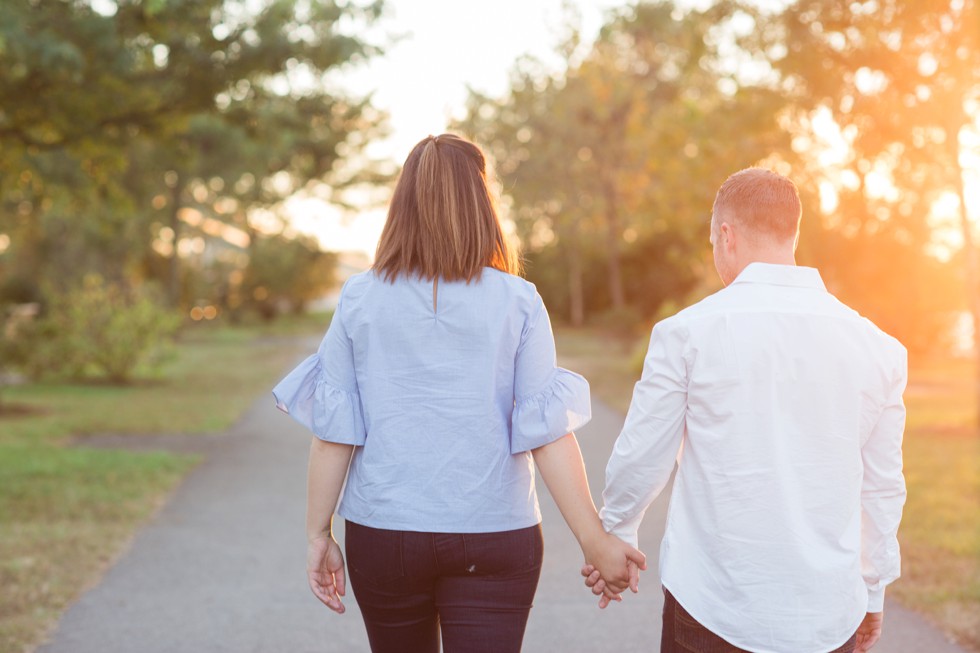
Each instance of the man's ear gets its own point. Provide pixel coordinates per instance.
(727, 236)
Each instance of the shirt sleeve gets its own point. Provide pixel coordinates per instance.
(644, 454)
(321, 392)
(883, 493)
(549, 401)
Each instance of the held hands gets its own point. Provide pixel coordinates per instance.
(325, 569)
(611, 566)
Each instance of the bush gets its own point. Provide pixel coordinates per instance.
(99, 330)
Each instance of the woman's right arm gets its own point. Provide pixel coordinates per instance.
(324, 561)
(563, 470)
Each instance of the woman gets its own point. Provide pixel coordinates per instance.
(436, 384)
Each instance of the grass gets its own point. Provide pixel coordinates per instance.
(68, 511)
(940, 532)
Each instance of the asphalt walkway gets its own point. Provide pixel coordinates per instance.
(222, 567)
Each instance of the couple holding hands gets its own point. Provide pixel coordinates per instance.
(435, 393)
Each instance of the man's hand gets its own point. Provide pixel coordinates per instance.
(869, 631)
(325, 569)
(611, 566)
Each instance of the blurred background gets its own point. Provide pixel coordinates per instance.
(184, 185)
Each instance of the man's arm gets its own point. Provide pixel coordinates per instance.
(644, 454)
(882, 497)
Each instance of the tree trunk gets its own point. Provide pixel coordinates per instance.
(613, 237)
(972, 280)
(957, 119)
(576, 298)
(173, 278)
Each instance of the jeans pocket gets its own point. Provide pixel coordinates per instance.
(373, 554)
(504, 552)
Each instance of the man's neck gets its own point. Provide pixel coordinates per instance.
(770, 256)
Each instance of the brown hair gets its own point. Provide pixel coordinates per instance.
(762, 200)
(443, 222)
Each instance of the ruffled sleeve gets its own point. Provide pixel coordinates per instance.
(331, 413)
(549, 401)
(562, 407)
(321, 392)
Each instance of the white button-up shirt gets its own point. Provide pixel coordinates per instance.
(783, 409)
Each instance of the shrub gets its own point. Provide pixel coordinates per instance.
(99, 329)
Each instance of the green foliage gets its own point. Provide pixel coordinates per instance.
(286, 272)
(99, 330)
(131, 135)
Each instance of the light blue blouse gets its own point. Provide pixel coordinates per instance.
(444, 405)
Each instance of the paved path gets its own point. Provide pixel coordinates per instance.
(221, 568)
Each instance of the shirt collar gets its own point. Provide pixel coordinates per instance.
(781, 275)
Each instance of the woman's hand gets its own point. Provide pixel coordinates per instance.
(611, 566)
(325, 569)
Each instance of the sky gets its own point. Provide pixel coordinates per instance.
(421, 81)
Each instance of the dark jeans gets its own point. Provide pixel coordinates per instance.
(682, 633)
(477, 588)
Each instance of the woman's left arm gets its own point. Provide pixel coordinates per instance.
(324, 561)
(563, 470)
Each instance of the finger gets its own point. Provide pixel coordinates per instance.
(332, 600)
(325, 589)
(341, 580)
(637, 557)
(599, 587)
(634, 576)
(612, 596)
(869, 641)
(317, 584)
(603, 602)
(587, 570)
(322, 593)
(592, 579)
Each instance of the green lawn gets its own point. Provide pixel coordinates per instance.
(940, 532)
(67, 511)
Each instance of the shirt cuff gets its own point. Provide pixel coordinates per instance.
(623, 532)
(876, 600)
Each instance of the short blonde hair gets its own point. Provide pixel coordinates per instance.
(762, 200)
(443, 221)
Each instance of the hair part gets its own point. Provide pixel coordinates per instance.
(763, 201)
(443, 221)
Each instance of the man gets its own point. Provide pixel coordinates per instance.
(783, 409)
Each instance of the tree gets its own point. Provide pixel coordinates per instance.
(616, 160)
(114, 122)
(286, 273)
(902, 82)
